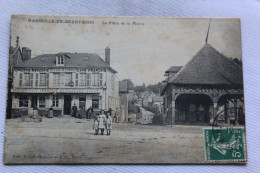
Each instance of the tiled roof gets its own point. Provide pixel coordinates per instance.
(173, 69)
(87, 60)
(209, 67)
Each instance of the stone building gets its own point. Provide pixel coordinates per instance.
(208, 89)
(62, 80)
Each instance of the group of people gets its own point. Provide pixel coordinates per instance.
(103, 121)
(81, 114)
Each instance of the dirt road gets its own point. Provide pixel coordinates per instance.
(63, 140)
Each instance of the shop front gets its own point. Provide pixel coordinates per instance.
(61, 102)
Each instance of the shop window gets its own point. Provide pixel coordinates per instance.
(23, 100)
(95, 101)
(42, 101)
(55, 101)
(56, 79)
(95, 79)
(82, 102)
(68, 79)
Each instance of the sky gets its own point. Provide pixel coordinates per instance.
(140, 52)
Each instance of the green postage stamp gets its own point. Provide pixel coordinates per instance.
(225, 144)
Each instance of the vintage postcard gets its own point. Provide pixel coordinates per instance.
(125, 90)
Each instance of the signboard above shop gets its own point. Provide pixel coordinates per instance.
(61, 70)
(64, 90)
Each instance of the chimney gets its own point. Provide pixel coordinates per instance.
(26, 52)
(107, 55)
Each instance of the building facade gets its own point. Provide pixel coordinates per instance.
(62, 80)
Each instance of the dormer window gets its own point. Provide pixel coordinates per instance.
(60, 60)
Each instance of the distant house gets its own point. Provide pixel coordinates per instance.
(123, 101)
(152, 101)
(170, 72)
(205, 85)
(157, 103)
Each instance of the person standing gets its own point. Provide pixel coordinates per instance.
(50, 114)
(87, 113)
(90, 112)
(74, 110)
(108, 123)
(95, 125)
(102, 122)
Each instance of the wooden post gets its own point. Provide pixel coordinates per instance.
(215, 111)
(235, 111)
(173, 113)
(227, 121)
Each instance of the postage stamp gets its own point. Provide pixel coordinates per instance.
(224, 144)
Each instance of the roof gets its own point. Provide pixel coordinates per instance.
(157, 98)
(173, 69)
(123, 86)
(86, 60)
(209, 67)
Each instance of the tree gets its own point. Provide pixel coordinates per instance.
(140, 89)
(130, 84)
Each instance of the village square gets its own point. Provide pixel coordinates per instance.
(92, 107)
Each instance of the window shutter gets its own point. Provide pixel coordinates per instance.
(77, 79)
(47, 79)
(88, 79)
(31, 79)
(36, 79)
(21, 80)
(62, 79)
(100, 79)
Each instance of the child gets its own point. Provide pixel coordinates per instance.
(95, 126)
(108, 123)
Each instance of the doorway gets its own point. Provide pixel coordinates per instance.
(67, 104)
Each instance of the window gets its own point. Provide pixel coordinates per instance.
(88, 79)
(56, 79)
(82, 79)
(95, 101)
(23, 100)
(60, 60)
(113, 82)
(68, 79)
(28, 79)
(43, 79)
(95, 79)
(42, 101)
(55, 101)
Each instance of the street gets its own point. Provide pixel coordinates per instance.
(147, 116)
(60, 140)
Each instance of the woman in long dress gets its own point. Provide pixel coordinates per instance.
(95, 125)
(102, 122)
(109, 123)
